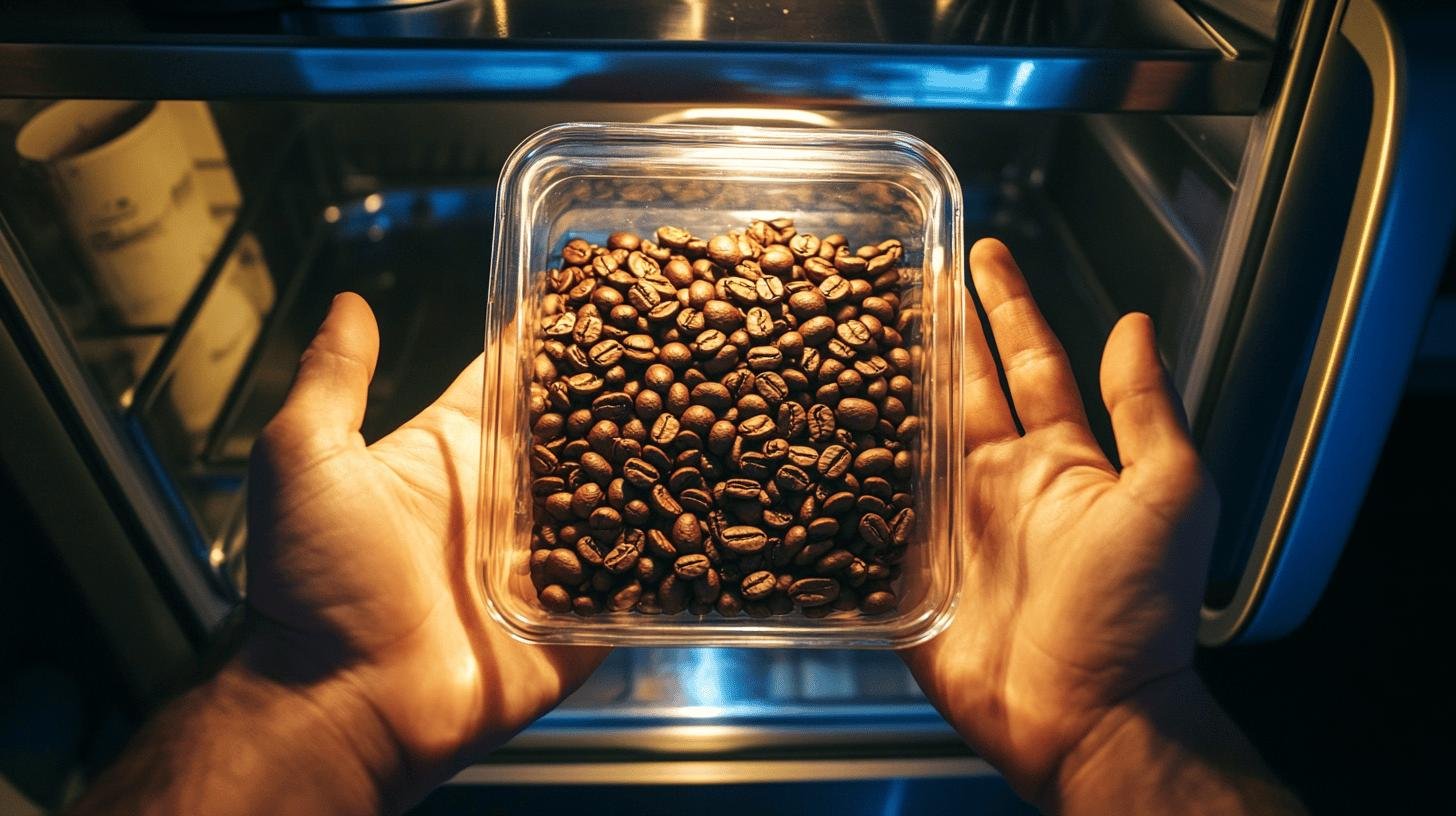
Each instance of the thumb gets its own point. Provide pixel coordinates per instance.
(1153, 442)
(326, 404)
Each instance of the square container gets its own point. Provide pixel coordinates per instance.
(591, 179)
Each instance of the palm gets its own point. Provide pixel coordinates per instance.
(357, 556)
(1075, 594)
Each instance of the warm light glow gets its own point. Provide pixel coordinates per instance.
(331, 214)
(755, 116)
(373, 202)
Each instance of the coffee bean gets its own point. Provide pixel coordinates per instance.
(723, 250)
(742, 291)
(874, 531)
(834, 461)
(691, 567)
(744, 539)
(564, 567)
(712, 395)
(817, 331)
(756, 427)
(793, 420)
(758, 323)
(722, 316)
(792, 478)
(856, 414)
(878, 603)
(555, 598)
(639, 473)
(759, 585)
(662, 501)
(854, 333)
(770, 290)
(764, 358)
(873, 461)
(665, 429)
(814, 591)
(821, 422)
(686, 535)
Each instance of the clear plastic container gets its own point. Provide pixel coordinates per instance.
(591, 179)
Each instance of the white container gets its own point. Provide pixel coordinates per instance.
(126, 181)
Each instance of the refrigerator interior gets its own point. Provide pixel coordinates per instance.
(1107, 213)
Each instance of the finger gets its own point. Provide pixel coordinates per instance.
(331, 389)
(1043, 391)
(988, 416)
(1147, 417)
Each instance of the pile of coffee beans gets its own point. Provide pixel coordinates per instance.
(724, 424)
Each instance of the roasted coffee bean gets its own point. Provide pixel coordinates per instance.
(821, 423)
(833, 561)
(625, 598)
(721, 315)
(555, 598)
(743, 489)
(706, 590)
(758, 585)
(873, 461)
(854, 333)
(764, 358)
(586, 498)
(639, 473)
(691, 567)
(744, 539)
(834, 462)
(756, 427)
(817, 331)
(723, 250)
(662, 501)
(687, 534)
(563, 566)
(856, 414)
(902, 528)
(758, 323)
(770, 290)
(622, 557)
(665, 429)
(813, 591)
(793, 479)
(613, 405)
(878, 603)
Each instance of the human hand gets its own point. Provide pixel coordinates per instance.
(1083, 586)
(357, 570)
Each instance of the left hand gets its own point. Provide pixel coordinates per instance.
(357, 571)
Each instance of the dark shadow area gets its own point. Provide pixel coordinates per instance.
(1355, 710)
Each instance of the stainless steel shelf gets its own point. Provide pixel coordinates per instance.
(1144, 56)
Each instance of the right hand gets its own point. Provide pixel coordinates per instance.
(1084, 582)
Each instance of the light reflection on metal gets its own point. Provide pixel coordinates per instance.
(802, 75)
(1018, 82)
(747, 116)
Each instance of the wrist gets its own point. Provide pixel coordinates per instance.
(312, 734)
(1169, 746)
(302, 701)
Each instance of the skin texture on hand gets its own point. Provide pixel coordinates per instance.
(356, 563)
(1083, 584)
